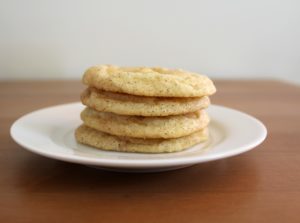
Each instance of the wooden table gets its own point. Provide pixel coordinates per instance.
(259, 186)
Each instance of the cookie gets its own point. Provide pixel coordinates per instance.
(126, 104)
(145, 127)
(101, 140)
(143, 81)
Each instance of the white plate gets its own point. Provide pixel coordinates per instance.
(50, 132)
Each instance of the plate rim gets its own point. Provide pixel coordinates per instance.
(142, 163)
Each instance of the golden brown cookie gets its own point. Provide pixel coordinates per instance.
(145, 127)
(143, 81)
(126, 104)
(101, 140)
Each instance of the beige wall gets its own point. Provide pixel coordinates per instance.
(227, 39)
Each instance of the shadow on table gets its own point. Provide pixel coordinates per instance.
(38, 174)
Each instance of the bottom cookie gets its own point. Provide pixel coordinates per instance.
(101, 140)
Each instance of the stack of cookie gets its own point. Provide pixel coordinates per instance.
(148, 110)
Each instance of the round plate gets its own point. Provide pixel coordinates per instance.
(50, 132)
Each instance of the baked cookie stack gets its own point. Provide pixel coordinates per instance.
(147, 110)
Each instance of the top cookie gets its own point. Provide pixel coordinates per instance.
(157, 82)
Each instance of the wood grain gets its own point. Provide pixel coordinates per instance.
(259, 186)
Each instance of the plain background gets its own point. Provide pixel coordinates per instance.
(223, 39)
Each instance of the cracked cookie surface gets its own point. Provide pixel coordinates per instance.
(145, 81)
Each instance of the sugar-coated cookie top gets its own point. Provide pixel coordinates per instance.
(144, 81)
